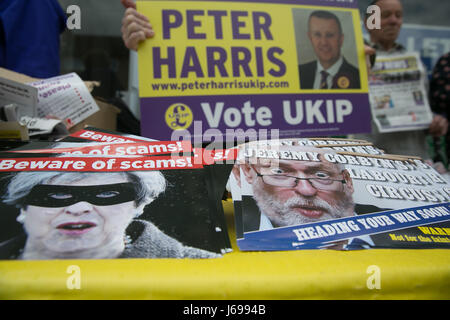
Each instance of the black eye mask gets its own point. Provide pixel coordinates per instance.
(54, 196)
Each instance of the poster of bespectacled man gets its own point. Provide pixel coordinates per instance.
(293, 197)
(326, 48)
(102, 215)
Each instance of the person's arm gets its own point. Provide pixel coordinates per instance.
(135, 26)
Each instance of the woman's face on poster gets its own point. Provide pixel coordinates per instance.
(91, 216)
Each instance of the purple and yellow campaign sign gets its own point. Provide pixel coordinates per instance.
(212, 66)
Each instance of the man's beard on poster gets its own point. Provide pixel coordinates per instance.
(284, 214)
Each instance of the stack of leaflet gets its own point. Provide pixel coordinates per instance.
(342, 194)
(102, 195)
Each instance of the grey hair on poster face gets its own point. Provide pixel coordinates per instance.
(148, 184)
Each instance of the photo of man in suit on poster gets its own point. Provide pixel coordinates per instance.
(325, 50)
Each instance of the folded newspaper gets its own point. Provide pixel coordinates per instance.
(125, 198)
(336, 193)
(398, 97)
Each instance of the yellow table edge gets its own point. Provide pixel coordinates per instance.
(304, 274)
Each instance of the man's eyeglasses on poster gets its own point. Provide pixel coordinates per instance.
(286, 181)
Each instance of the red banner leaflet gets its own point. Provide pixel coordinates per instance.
(98, 164)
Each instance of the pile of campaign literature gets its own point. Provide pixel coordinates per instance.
(101, 195)
(342, 194)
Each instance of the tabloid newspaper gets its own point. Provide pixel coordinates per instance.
(124, 198)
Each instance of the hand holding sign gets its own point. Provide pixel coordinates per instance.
(135, 26)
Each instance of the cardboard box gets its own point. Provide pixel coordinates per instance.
(10, 130)
(105, 118)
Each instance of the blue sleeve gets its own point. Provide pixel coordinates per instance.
(30, 36)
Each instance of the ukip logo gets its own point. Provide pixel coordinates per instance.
(179, 116)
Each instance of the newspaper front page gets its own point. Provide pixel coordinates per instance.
(398, 95)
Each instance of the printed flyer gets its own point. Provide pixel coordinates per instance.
(293, 66)
(294, 195)
(65, 97)
(69, 200)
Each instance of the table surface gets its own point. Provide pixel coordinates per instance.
(303, 274)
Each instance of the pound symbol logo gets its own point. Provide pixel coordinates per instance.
(179, 116)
